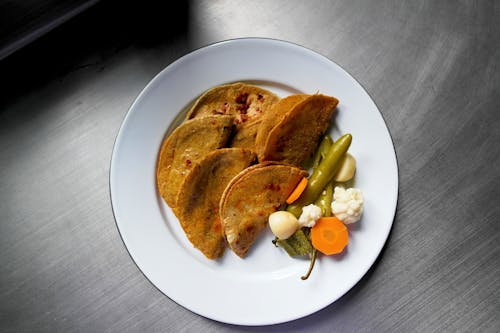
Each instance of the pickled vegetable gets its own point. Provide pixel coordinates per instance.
(322, 150)
(322, 175)
(325, 200)
(297, 245)
(346, 170)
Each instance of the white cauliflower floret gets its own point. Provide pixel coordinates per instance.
(310, 214)
(347, 204)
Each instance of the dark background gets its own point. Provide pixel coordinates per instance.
(93, 32)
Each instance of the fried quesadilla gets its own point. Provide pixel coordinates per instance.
(296, 136)
(247, 103)
(250, 197)
(187, 145)
(200, 193)
(273, 117)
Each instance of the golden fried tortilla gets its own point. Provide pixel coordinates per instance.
(296, 136)
(247, 103)
(200, 193)
(245, 136)
(187, 145)
(244, 101)
(251, 197)
(272, 118)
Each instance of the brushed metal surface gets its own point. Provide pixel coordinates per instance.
(23, 22)
(432, 67)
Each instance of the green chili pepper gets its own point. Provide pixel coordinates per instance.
(297, 245)
(311, 264)
(325, 200)
(322, 150)
(322, 175)
(319, 190)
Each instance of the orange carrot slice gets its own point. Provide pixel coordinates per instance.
(329, 235)
(298, 191)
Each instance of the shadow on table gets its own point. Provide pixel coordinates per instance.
(98, 33)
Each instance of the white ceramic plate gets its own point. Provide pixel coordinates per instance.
(264, 288)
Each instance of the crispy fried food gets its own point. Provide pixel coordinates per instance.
(217, 196)
(247, 103)
(297, 134)
(200, 193)
(245, 136)
(251, 197)
(187, 145)
(273, 117)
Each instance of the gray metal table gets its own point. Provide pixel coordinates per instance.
(432, 67)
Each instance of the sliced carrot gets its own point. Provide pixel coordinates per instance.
(298, 191)
(329, 235)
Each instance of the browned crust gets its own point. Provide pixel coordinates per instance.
(251, 197)
(273, 117)
(295, 138)
(246, 102)
(245, 136)
(188, 144)
(200, 194)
